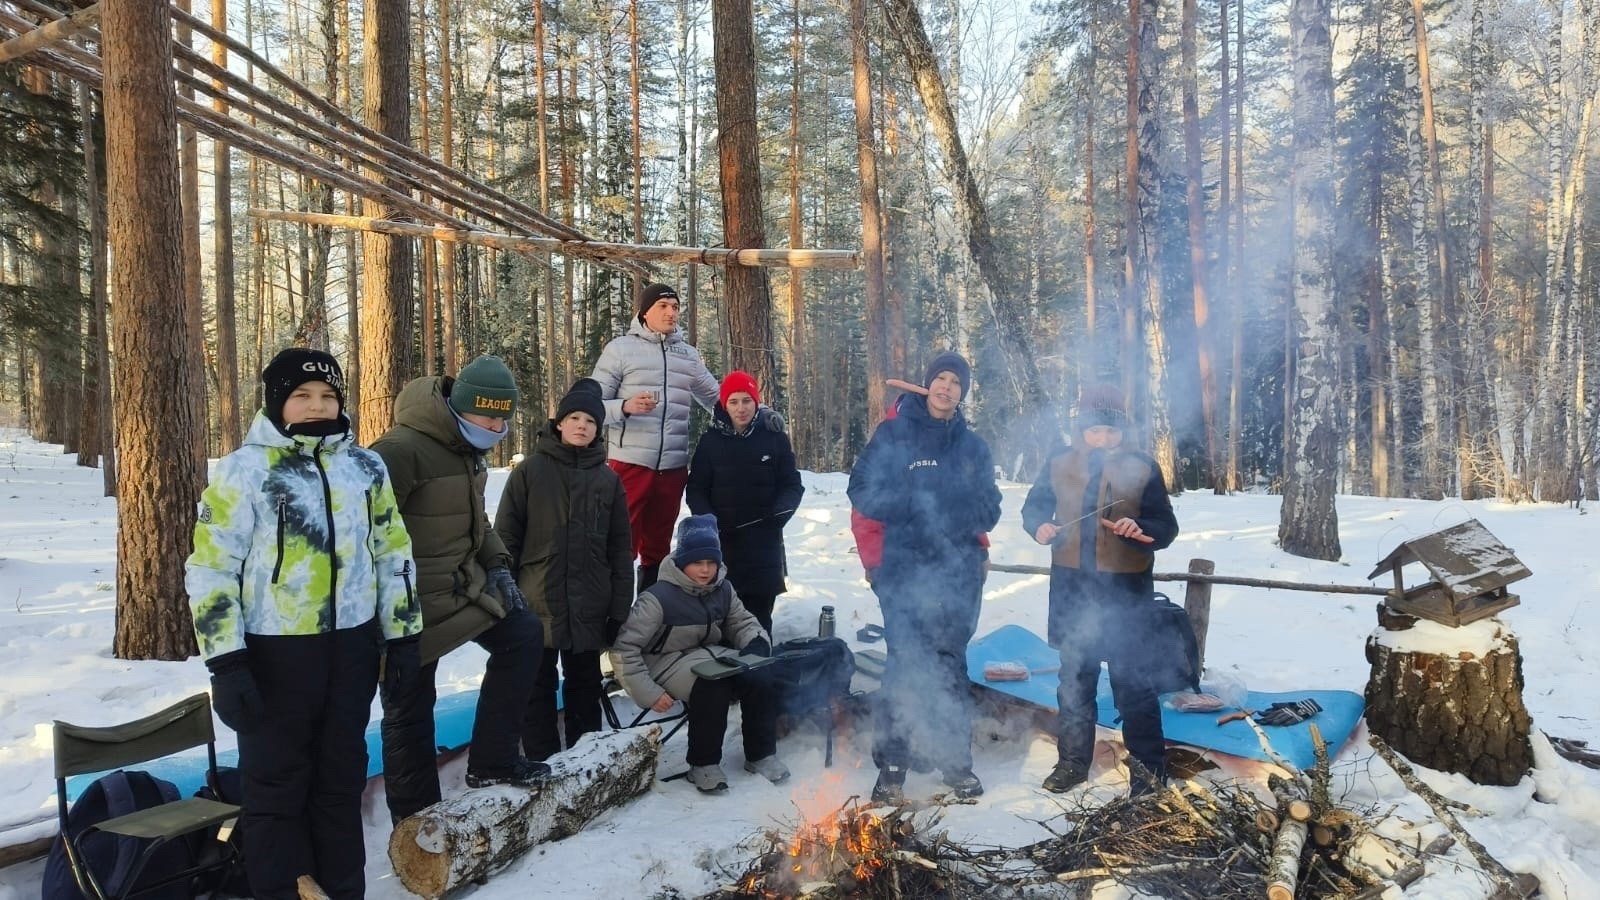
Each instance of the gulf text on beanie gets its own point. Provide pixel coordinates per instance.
(485, 387)
(953, 363)
(292, 367)
(737, 382)
(697, 540)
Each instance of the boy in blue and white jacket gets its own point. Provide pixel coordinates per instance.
(300, 586)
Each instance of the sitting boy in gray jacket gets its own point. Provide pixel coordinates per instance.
(690, 616)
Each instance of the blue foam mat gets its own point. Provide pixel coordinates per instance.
(452, 729)
(1341, 710)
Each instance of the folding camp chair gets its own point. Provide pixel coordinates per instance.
(81, 749)
(610, 686)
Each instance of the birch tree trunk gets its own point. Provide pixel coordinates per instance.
(746, 306)
(1430, 448)
(1309, 524)
(160, 420)
(1239, 281)
(387, 261)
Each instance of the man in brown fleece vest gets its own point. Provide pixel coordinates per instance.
(1104, 512)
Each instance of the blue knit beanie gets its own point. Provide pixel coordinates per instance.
(697, 540)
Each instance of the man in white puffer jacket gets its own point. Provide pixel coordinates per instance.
(648, 379)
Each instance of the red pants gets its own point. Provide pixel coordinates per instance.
(653, 502)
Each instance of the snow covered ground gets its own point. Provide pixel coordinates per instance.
(57, 547)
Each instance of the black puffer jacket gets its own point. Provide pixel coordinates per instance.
(931, 483)
(749, 481)
(564, 518)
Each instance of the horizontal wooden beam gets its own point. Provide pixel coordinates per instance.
(716, 256)
(49, 33)
(1236, 580)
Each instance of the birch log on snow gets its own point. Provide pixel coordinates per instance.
(466, 837)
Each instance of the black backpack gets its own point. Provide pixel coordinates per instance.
(811, 674)
(110, 856)
(1175, 655)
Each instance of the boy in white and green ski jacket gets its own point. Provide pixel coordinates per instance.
(264, 562)
(301, 587)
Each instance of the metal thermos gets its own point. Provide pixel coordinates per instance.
(825, 622)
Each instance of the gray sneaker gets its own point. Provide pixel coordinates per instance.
(708, 779)
(771, 768)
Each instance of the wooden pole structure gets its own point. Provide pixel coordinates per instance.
(723, 256)
(49, 33)
(1367, 589)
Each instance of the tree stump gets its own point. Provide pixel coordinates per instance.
(1450, 698)
(464, 838)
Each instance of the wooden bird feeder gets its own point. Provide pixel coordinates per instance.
(1468, 570)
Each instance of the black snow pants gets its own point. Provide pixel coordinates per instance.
(1092, 623)
(410, 757)
(923, 714)
(709, 701)
(579, 683)
(304, 766)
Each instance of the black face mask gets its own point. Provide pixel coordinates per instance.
(318, 428)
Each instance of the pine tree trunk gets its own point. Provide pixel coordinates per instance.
(189, 163)
(159, 415)
(450, 330)
(387, 261)
(800, 402)
(542, 141)
(746, 306)
(1021, 370)
(228, 433)
(1451, 711)
(1198, 269)
(1309, 524)
(94, 424)
(871, 217)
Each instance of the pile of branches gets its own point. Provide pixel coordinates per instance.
(1186, 841)
(1191, 841)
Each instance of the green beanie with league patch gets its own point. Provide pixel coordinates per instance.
(485, 387)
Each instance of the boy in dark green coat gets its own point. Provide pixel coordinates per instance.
(564, 519)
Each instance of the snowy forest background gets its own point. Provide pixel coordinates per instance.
(1461, 225)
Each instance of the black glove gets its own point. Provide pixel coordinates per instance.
(503, 584)
(233, 692)
(758, 646)
(402, 660)
(1291, 712)
(612, 629)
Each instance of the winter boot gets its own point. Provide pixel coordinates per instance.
(708, 779)
(963, 783)
(891, 785)
(771, 768)
(1064, 777)
(523, 772)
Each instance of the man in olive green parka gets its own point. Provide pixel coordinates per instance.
(435, 456)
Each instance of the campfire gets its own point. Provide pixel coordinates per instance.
(842, 854)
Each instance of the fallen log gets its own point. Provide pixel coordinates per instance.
(465, 838)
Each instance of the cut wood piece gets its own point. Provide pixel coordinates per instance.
(308, 889)
(465, 838)
(49, 33)
(1285, 868)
